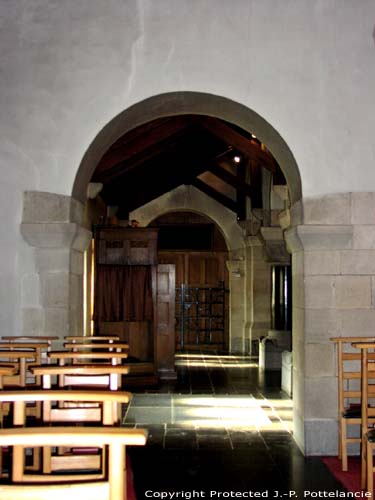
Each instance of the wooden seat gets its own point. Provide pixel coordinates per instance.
(113, 485)
(91, 375)
(93, 346)
(5, 371)
(349, 392)
(47, 339)
(63, 357)
(91, 338)
(367, 413)
(21, 355)
(104, 414)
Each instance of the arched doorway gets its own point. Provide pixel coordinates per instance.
(249, 268)
(196, 247)
(243, 251)
(244, 327)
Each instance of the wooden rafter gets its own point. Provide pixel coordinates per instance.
(251, 149)
(240, 196)
(219, 197)
(230, 179)
(142, 146)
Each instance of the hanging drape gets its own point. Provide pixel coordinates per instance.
(123, 293)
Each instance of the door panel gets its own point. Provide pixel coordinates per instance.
(165, 330)
(201, 270)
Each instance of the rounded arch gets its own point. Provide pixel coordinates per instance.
(179, 103)
(185, 197)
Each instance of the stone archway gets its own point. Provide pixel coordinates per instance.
(179, 103)
(43, 210)
(190, 198)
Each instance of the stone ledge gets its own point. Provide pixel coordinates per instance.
(319, 238)
(55, 235)
(39, 207)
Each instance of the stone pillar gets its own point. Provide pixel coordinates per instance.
(236, 268)
(52, 224)
(259, 289)
(332, 242)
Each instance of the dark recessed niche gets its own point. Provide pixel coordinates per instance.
(196, 237)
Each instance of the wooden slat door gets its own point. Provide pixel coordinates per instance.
(165, 322)
(203, 270)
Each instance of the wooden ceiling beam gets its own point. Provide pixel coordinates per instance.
(230, 179)
(240, 195)
(219, 197)
(178, 151)
(143, 145)
(239, 142)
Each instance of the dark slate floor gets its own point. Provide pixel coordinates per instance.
(223, 430)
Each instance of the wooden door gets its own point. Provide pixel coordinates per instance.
(165, 321)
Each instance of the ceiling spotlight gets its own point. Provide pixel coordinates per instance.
(253, 136)
(237, 159)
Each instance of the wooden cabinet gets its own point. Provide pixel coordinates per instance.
(126, 246)
(134, 297)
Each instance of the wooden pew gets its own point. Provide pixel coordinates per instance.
(91, 375)
(112, 487)
(91, 338)
(104, 413)
(5, 371)
(21, 355)
(62, 357)
(88, 377)
(48, 339)
(92, 346)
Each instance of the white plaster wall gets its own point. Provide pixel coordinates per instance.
(69, 66)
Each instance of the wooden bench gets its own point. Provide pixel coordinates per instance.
(21, 355)
(112, 487)
(104, 346)
(91, 338)
(5, 371)
(82, 375)
(48, 339)
(104, 413)
(62, 357)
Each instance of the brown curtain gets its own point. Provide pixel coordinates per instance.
(123, 293)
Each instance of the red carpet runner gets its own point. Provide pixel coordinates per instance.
(351, 480)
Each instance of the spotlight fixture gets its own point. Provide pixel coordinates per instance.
(253, 136)
(237, 159)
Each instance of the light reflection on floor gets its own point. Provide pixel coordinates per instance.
(214, 411)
